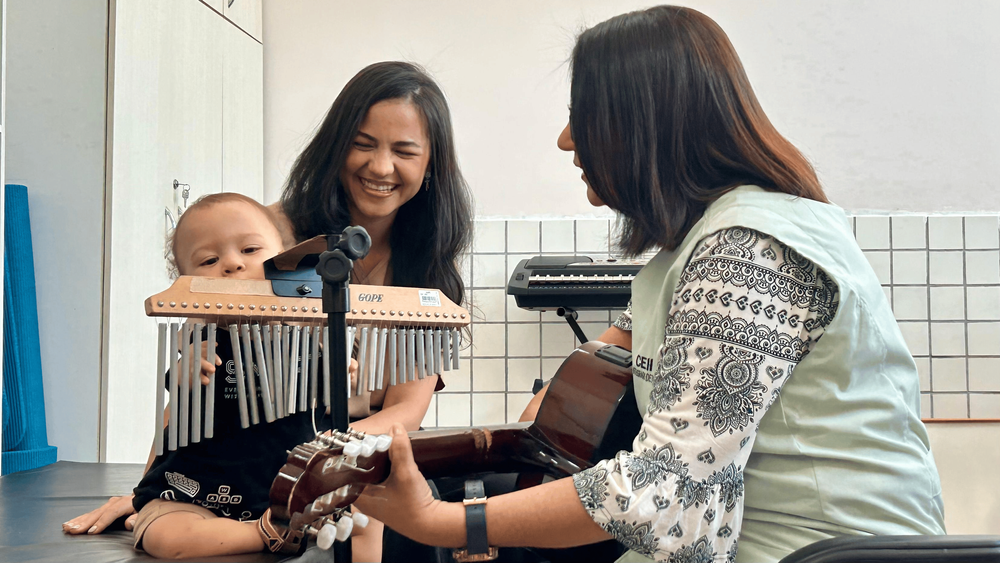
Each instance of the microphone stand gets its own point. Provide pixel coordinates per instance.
(335, 266)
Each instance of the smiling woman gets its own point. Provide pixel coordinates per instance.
(387, 163)
(384, 158)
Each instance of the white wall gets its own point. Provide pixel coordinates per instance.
(56, 61)
(894, 101)
(967, 460)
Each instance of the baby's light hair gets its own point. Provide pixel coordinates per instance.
(204, 202)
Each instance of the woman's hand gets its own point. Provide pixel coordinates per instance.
(405, 503)
(95, 521)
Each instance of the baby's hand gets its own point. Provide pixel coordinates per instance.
(95, 521)
(352, 370)
(207, 368)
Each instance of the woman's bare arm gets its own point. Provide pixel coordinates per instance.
(613, 335)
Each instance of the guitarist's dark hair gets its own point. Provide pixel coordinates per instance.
(665, 121)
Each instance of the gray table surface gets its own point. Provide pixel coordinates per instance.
(35, 503)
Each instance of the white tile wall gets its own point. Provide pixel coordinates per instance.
(947, 303)
(950, 405)
(940, 272)
(558, 236)
(881, 263)
(910, 303)
(945, 233)
(489, 270)
(489, 374)
(909, 232)
(982, 232)
(983, 374)
(984, 339)
(872, 232)
(489, 236)
(984, 406)
(985, 303)
(489, 409)
(947, 268)
(949, 374)
(592, 235)
(523, 236)
(909, 267)
(982, 267)
(523, 340)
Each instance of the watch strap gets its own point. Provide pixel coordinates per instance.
(279, 538)
(475, 518)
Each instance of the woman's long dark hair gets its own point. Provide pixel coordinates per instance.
(665, 121)
(430, 230)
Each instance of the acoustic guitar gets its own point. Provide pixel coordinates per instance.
(588, 414)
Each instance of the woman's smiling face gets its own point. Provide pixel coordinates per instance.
(387, 162)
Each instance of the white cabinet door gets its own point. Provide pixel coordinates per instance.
(167, 125)
(247, 14)
(242, 114)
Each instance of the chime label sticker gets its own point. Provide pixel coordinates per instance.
(430, 298)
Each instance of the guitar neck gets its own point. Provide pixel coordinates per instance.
(566, 436)
(501, 449)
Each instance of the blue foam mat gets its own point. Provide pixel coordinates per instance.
(25, 445)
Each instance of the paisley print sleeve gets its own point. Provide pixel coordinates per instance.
(746, 310)
(624, 320)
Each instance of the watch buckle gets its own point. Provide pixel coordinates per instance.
(463, 555)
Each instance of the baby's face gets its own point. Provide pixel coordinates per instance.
(226, 240)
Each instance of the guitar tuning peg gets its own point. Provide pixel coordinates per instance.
(326, 536)
(344, 528)
(367, 448)
(368, 444)
(382, 443)
(343, 491)
(325, 502)
(360, 520)
(352, 449)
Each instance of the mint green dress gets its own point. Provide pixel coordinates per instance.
(781, 406)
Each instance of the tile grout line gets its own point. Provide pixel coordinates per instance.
(930, 357)
(965, 301)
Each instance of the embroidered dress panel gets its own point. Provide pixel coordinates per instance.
(746, 310)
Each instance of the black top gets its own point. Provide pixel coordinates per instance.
(231, 473)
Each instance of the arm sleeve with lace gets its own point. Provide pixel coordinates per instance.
(624, 320)
(745, 311)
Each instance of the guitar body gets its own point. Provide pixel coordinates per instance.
(588, 414)
(589, 411)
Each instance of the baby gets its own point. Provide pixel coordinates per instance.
(207, 498)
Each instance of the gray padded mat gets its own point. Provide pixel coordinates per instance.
(35, 503)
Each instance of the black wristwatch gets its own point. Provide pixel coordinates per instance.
(477, 547)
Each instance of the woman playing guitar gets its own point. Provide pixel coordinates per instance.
(758, 277)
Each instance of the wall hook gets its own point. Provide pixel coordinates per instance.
(185, 193)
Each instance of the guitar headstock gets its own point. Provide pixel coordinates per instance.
(314, 489)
